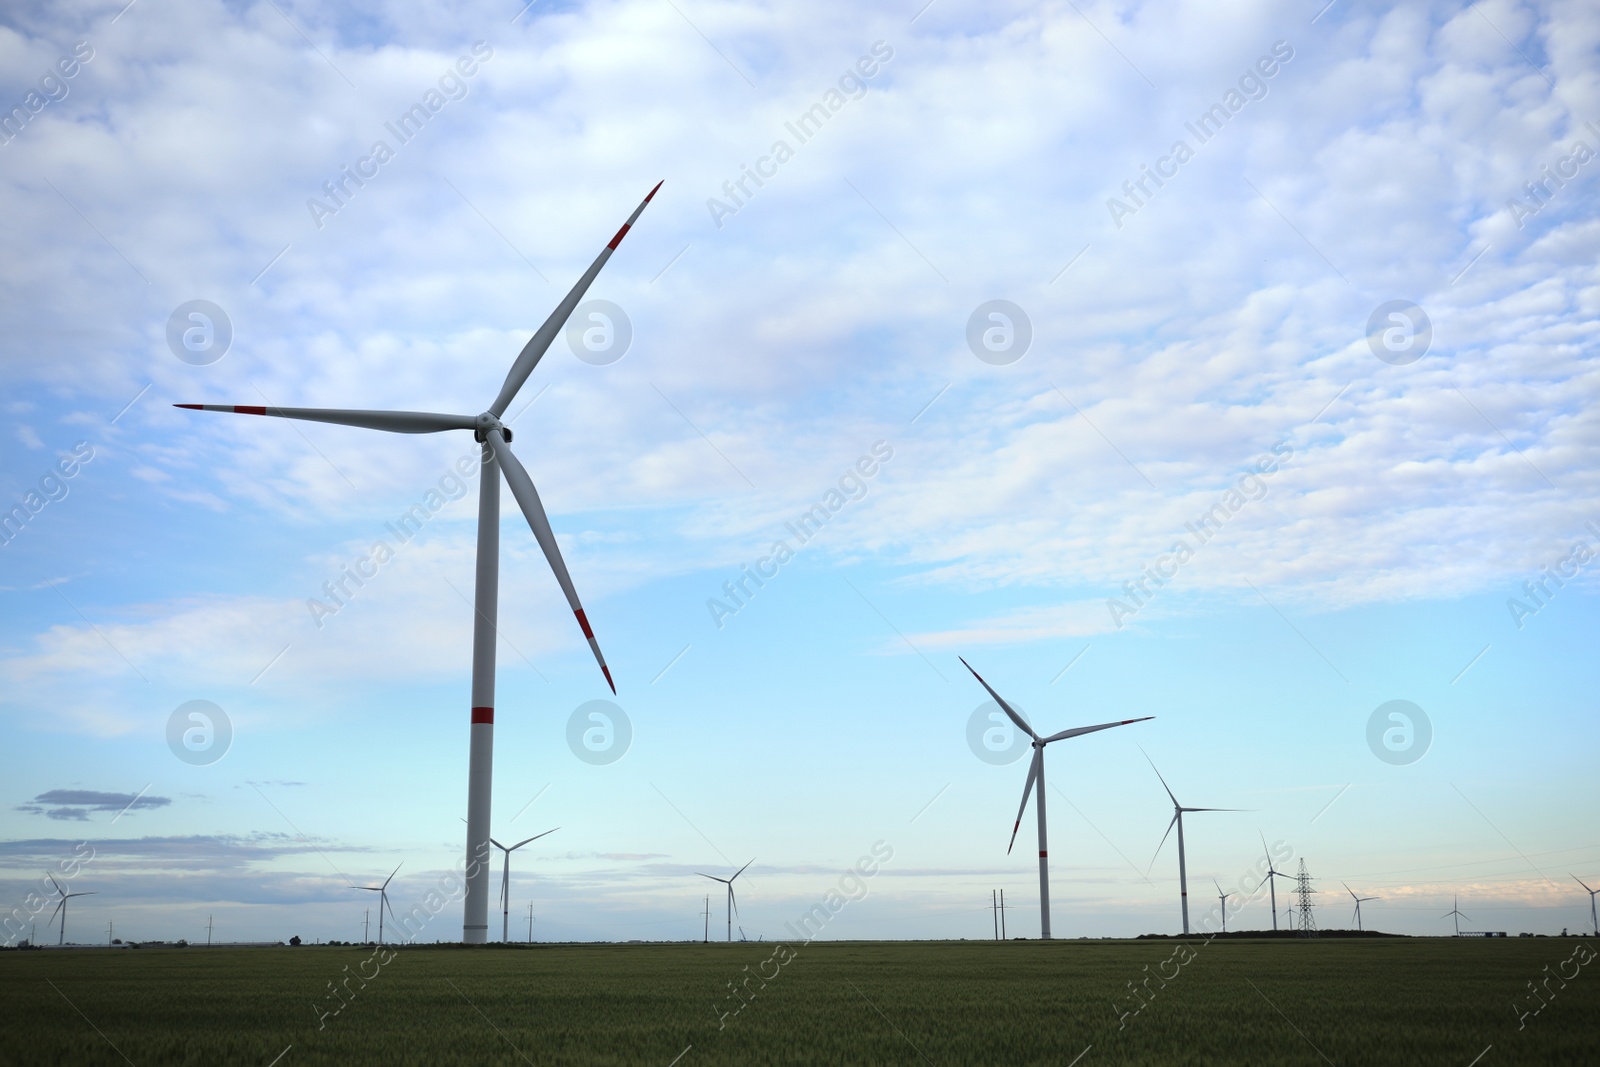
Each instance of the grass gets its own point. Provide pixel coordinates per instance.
(1400, 1001)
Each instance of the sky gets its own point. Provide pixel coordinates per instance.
(1232, 365)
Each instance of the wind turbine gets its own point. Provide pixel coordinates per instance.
(1271, 874)
(495, 437)
(383, 897)
(505, 882)
(732, 905)
(61, 906)
(1358, 901)
(1222, 901)
(1178, 811)
(1036, 774)
(1591, 892)
(1456, 911)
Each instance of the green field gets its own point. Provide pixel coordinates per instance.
(1388, 1001)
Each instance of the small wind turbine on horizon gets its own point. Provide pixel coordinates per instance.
(505, 881)
(733, 905)
(1222, 902)
(1272, 873)
(1359, 904)
(1455, 910)
(61, 906)
(1358, 901)
(497, 460)
(383, 896)
(1592, 892)
(1178, 811)
(1036, 775)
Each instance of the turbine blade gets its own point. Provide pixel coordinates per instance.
(59, 905)
(534, 350)
(55, 883)
(1075, 731)
(1164, 785)
(741, 870)
(1581, 882)
(713, 877)
(1164, 837)
(389, 906)
(1027, 790)
(1216, 809)
(392, 873)
(528, 499)
(392, 421)
(1267, 854)
(535, 837)
(998, 699)
(733, 899)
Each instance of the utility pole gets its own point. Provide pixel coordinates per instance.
(994, 913)
(1002, 914)
(1308, 925)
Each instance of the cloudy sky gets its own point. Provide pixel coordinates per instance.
(1286, 415)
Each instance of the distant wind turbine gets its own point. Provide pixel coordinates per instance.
(1358, 901)
(1222, 901)
(1036, 775)
(1456, 911)
(1178, 811)
(61, 906)
(505, 881)
(1592, 892)
(1271, 874)
(383, 897)
(732, 904)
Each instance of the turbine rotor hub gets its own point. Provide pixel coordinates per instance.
(489, 421)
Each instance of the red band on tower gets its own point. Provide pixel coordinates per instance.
(483, 715)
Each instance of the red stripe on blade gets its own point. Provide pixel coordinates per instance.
(659, 184)
(1043, 855)
(617, 240)
(607, 672)
(584, 622)
(241, 409)
(484, 715)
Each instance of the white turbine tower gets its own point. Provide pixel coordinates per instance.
(505, 883)
(1178, 811)
(1592, 892)
(495, 437)
(1358, 901)
(383, 897)
(1455, 910)
(1272, 873)
(1222, 903)
(61, 906)
(732, 904)
(1036, 774)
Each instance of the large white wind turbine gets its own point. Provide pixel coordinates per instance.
(1358, 901)
(1178, 811)
(495, 437)
(383, 897)
(1455, 909)
(505, 882)
(61, 906)
(1036, 775)
(732, 904)
(1592, 892)
(1272, 873)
